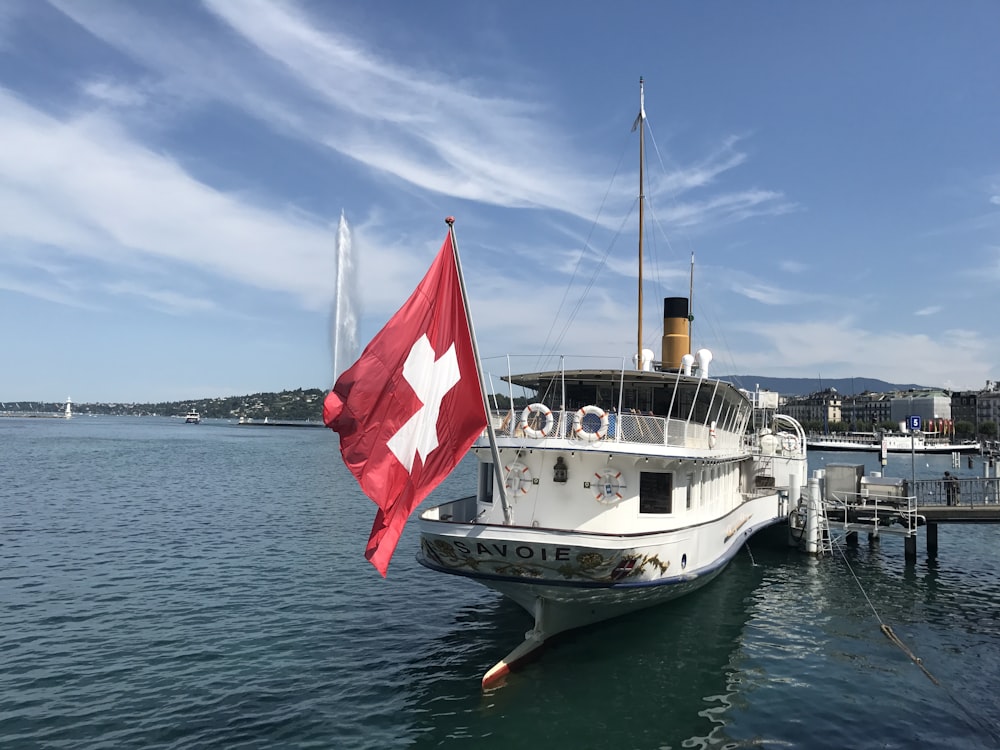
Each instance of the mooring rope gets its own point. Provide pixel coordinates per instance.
(891, 635)
(888, 632)
(883, 626)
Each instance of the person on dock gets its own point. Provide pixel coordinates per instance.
(951, 488)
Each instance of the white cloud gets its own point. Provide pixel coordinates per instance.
(931, 310)
(792, 266)
(43, 291)
(115, 93)
(840, 348)
(429, 129)
(165, 300)
(84, 187)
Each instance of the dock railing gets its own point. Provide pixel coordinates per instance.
(872, 512)
(965, 492)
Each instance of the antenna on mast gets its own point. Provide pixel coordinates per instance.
(642, 199)
(691, 303)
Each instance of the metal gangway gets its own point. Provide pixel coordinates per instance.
(844, 506)
(852, 503)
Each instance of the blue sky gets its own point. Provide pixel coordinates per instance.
(172, 175)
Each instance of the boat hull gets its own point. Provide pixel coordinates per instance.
(580, 579)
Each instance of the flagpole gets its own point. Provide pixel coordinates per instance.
(490, 432)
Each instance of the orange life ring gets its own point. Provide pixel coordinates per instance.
(580, 432)
(530, 431)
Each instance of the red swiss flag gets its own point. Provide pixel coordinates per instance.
(409, 409)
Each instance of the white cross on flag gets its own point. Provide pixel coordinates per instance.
(411, 406)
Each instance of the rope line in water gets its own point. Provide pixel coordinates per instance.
(886, 629)
(888, 632)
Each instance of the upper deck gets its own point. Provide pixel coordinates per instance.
(632, 408)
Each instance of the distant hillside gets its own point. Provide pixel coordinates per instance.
(307, 403)
(805, 386)
(300, 404)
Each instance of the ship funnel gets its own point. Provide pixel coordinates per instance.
(704, 357)
(687, 362)
(676, 331)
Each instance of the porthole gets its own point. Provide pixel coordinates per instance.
(684, 561)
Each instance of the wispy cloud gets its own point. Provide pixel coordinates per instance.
(841, 348)
(930, 310)
(728, 208)
(43, 291)
(417, 125)
(792, 266)
(765, 292)
(114, 93)
(165, 300)
(85, 187)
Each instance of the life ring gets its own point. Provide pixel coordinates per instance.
(712, 437)
(609, 486)
(530, 431)
(789, 443)
(517, 478)
(587, 435)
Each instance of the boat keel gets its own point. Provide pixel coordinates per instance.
(533, 640)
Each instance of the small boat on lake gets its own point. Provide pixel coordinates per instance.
(192, 417)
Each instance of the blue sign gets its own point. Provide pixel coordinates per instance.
(914, 423)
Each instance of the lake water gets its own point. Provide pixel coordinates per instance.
(165, 585)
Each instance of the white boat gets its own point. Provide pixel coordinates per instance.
(192, 417)
(917, 443)
(617, 488)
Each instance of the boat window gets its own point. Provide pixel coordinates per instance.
(690, 490)
(656, 492)
(484, 494)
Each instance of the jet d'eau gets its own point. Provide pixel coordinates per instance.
(346, 307)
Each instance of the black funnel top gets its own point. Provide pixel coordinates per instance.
(675, 307)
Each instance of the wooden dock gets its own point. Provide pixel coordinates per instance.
(960, 514)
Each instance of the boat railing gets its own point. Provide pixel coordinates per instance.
(621, 428)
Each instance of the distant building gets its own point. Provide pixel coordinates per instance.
(938, 410)
(964, 407)
(988, 405)
(929, 405)
(823, 406)
(867, 410)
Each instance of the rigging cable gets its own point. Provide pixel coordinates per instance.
(545, 350)
(725, 356)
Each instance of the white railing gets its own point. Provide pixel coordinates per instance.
(622, 428)
(874, 512)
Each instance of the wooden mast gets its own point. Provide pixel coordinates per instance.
(642, 200)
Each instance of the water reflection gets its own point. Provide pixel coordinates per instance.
(658, 678)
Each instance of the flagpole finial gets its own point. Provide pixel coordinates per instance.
(450, 221)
